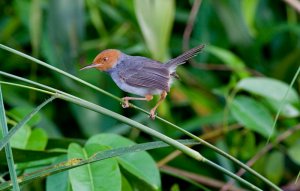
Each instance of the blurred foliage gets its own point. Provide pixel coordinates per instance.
(240, 79)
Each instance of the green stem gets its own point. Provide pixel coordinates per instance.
(225, 171)
(282, 103)
(225, 155)
(72, 163)
(140, 109)
(6, 138)
(99, 109)
(174, 143)
(58, 70)
(8, 151)
(65, 96)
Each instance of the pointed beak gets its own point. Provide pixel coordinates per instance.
(90, 66)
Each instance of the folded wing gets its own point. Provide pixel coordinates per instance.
(146, 73)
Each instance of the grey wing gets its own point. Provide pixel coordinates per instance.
(146, 73)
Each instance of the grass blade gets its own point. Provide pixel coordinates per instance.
(192, 153)
(67, 97)
(253, 172)
(6, 138)
(76, 162)
(8, 151)
(155, 18)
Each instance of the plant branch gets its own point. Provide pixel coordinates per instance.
(6, 138)
(190, 25)
(263, 151)
(206, 136)
(203, 180)
(140, 109)
(192, 153)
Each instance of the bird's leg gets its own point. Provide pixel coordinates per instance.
(163, 95)
(125, 103)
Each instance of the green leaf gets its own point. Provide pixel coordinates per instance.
(29, 116)
(60, 181)
(140, 164)
(274, 168)
(268, 88)
(294, 152)
(230, 14)
(288, 110)
(96, 17)
(37, 140)
(156, 18)
(18, 114)
(126, 185)
(19, 139)
(66, 165)
(252, 115)
(103, 175)
(249, 14)
(231, 60)
(25, 138)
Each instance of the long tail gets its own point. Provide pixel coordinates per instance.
(173, 63)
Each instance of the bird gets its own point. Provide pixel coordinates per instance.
(140, 75)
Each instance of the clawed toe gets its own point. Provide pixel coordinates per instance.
(152, 115)
(125, 103)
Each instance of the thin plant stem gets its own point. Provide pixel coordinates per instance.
(8, 150)
(172, 142)
(140, 109)
(13, 130)
(196, 178)
(232, 175)
(283, 101)
(190, 25)
(67, 97)
(206, 136)
(283, 136)
(76, 162)
(58, 71)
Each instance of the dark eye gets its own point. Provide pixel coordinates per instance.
(105, 59)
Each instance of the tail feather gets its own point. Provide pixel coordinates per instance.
(173, 63)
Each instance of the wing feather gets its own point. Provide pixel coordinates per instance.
(143, 72)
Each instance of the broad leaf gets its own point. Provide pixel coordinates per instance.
(140, 164)
(231, 60)
(155, 18)
(103, 175)
(252, 115)
(288, 110)
(37, 140)
(59, 181)
(70, 164)
(25, 138)
(19, 112)
(268, 88)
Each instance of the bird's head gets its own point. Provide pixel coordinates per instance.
(105, 60)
